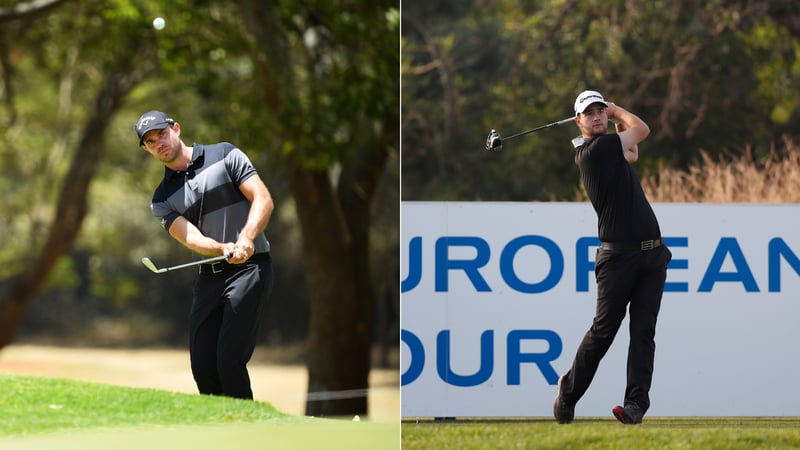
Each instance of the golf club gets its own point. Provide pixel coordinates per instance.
(149, 264)
(495, 142)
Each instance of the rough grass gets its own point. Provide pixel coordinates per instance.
(739, 179)
(708, 433)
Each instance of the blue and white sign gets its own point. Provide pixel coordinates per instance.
(495, 298)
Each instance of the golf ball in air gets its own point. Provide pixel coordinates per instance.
(159, 23)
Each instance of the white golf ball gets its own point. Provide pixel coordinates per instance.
(159, 23)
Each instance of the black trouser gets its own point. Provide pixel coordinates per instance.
(223, 324)
(634, 278)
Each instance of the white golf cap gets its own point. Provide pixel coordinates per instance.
(587, 98)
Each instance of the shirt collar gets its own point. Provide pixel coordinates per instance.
(198, 152)
(578, 141)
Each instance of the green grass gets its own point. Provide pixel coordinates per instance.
(35, 405)
(46, 413)
(595, 433)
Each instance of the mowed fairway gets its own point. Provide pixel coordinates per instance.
(601, 433)
(53, 413)
(318, 434)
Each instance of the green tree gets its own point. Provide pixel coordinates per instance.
(118, 75)
(334, 122)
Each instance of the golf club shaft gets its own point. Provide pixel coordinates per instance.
(560, 122)
(197, 263)
(149, 264)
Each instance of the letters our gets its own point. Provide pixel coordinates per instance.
(514, 356)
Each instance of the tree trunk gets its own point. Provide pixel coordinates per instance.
(337, 339)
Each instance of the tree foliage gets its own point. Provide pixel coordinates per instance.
(714, 76)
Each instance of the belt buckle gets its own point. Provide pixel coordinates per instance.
(647, 245)
(217, 267)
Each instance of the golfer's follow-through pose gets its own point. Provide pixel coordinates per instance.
(212, 201)
(631, 263)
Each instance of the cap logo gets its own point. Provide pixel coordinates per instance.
(144, 121)
(583, 99)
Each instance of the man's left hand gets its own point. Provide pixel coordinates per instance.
(244, 249)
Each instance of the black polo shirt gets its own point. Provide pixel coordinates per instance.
(623, 212)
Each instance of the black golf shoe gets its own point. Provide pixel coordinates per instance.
(631, 414)
(562, 411)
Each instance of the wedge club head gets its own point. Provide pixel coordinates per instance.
(149, 264)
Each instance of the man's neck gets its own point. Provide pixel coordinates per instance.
(183, 161)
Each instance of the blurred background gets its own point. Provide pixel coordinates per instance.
(309, 90)
(718, 83)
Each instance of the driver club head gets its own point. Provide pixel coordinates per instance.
(494, 142)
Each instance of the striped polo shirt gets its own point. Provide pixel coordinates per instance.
(207, 193)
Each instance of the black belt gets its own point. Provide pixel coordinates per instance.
(219, 267)
(215, 268)
(631, 246)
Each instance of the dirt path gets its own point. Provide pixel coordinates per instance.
(284, 386)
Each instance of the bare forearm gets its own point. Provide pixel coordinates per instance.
(620, 127)
(631, 130)
(629, 151)
(629, 120)
(190, 236)
(258, 217)
(261, 207)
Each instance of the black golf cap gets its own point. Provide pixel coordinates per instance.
(151, 120)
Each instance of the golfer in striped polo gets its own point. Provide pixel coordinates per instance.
(212, 201)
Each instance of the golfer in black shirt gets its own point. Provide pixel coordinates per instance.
(631, 263)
